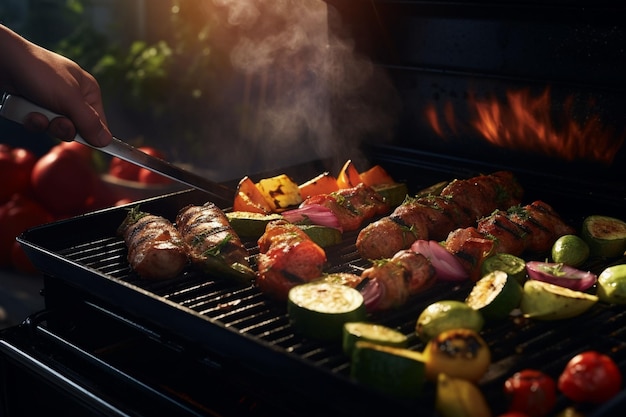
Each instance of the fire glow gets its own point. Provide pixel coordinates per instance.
(526, 123)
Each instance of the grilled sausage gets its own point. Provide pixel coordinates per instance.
(155, 248)
(212, 244)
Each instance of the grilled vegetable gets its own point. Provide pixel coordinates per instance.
(606, 236)
(155, 247)
(249, 224)
(280, 192)
(393, 194)
(495, 295)
(561, 275)
(354, 332)
(398, 372)
(324, 183)
(513, 265)
(457, 397)
(213, 244)
(570, 250)
(447, 266)
(446, 315)
(320, 309)
(545, 301)
(531, 392)
(313, 214)
(349, 176)
(612, 285)
(458, 353)
(249, 198)
(590, 377)
(322, 235)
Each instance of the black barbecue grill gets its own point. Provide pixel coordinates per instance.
(110, 343)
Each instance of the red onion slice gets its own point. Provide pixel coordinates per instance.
(447, 266)
(561, 275)
(312, 214)
(372, 292)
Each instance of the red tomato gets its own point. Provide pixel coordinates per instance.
(531, 392)
(123, 169)
(129, 171)
(149, 177)
(590, 377)
(63, 181)
(16, 165)
(82, 151)
(17, 215)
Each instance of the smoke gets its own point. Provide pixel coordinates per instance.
(306, 94)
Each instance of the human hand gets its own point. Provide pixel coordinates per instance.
(56, 83)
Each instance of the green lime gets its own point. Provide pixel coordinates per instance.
(606, 236)
(545, 301)
(570, 250)
(445, 315)
(375, 333)
(612, 285)
(319, 309)
(513, 265)
(398, 372)
(495, 295)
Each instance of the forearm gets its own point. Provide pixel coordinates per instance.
(13, 49)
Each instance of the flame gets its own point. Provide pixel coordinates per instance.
(525, 122)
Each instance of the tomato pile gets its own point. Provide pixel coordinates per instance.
(62, 183)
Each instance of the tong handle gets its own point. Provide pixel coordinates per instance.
(16, 108)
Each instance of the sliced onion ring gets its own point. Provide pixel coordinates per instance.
(372, 292)
(561, 275)
(312, 214)
(447, 266)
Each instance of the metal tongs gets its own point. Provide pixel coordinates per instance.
(16, 108)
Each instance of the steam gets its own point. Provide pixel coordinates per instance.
(306, 93)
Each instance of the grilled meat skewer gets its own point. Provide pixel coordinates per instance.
(531, 228)
(460, 204)
(155, 247)
(212, 244)
(352, 206)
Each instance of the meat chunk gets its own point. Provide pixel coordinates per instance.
(287, 257)
(212, 243)
(155, 248)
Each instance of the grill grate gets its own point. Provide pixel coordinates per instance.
(263, 324)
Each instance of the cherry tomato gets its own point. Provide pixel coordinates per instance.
(16, 165)
(62, 181)
(590, 377)
(531, 392)
(17, 215)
